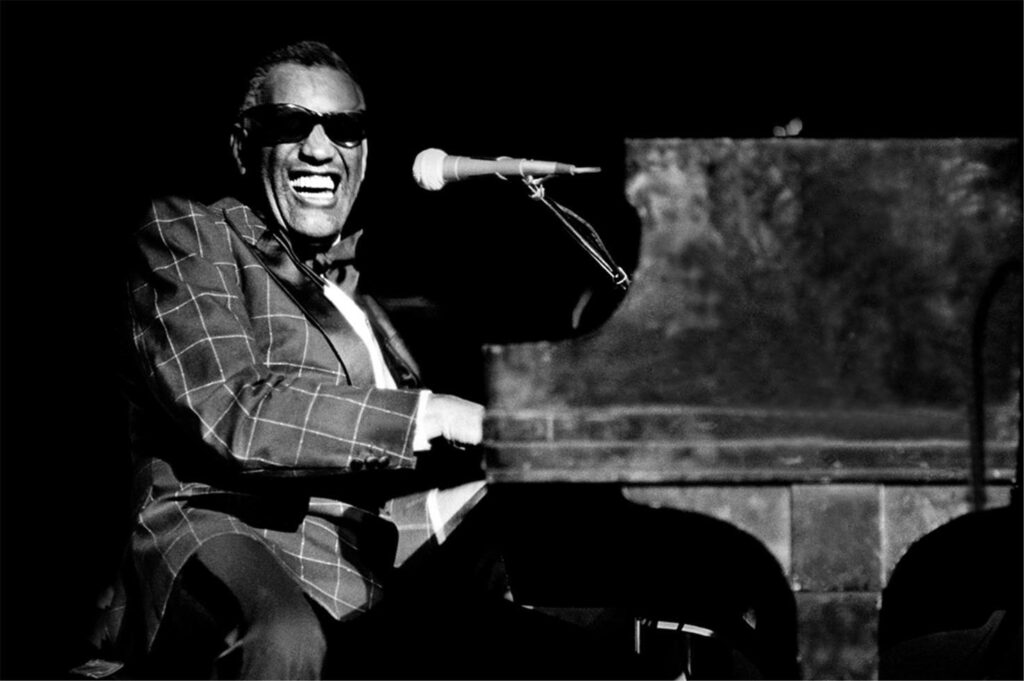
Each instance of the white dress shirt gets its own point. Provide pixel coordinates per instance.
(381, 375)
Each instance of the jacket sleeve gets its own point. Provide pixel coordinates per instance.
(201, 358)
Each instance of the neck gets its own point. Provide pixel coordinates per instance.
(309, 246)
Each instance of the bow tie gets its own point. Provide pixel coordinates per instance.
(338, 263)
(327, 264)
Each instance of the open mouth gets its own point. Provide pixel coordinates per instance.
(315, 186)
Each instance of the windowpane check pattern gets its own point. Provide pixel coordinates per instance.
(231, 384)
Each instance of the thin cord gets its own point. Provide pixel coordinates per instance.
(595, 249)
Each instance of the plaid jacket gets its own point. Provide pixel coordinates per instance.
(253, 414)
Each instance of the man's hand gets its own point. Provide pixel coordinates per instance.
(452, 418)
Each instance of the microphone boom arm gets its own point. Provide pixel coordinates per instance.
(591, 243)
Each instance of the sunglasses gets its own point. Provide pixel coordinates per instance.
(269, 124)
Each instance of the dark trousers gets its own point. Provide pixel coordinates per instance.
(235, 613)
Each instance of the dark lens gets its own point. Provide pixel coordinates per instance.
(277, 124)
(345, 129)
(293, 125)
(270, 124)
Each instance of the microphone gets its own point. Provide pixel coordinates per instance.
(433, 168)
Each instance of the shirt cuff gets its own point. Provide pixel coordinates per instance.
(420, 443)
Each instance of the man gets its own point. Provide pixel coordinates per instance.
(273, 408)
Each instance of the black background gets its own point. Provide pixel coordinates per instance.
(106, 104)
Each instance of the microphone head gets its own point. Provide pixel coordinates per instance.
(428, 169)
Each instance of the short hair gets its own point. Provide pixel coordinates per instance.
(304, 53)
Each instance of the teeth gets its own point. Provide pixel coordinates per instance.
(313, 183)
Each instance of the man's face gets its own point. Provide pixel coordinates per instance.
(310, 185)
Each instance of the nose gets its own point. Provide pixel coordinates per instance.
(317, 145)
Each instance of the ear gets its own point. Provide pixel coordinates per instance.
(362, 164)
(238, 135)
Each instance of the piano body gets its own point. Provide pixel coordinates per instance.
(791, 360)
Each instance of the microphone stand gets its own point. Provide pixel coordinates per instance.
(583, 233)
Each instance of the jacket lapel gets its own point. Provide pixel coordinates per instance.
(306, 290)
(398, 358)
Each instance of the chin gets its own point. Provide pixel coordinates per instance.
(317, 232)
(316, 226)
